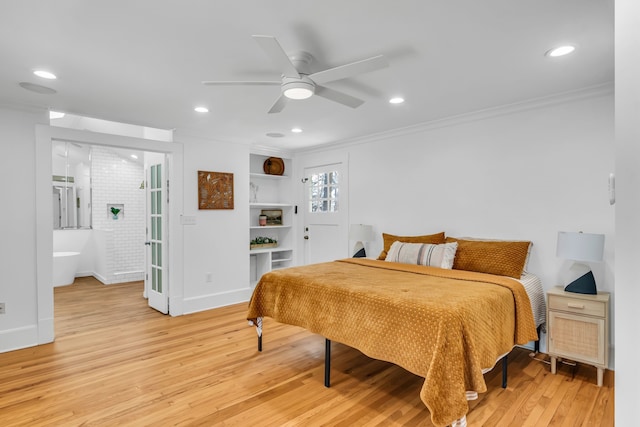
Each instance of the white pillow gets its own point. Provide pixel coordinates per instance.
(423, 254)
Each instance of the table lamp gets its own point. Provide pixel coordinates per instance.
(581, 248)
(360, 233)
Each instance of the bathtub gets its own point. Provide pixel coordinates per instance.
(65, 266)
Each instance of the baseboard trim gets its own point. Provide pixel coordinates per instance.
(18, 338)
(221, 299)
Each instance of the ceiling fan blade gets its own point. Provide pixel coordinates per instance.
(279, 104)
(339, 97)
(279, 57)
(349, 70)
(240, 83)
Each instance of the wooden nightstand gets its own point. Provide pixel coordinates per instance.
(578, 328)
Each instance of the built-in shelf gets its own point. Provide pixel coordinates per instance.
(262, 227)
(270, 205)
(267, 176)
(270, 192)
(268, 250)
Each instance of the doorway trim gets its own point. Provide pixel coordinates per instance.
(44, 228)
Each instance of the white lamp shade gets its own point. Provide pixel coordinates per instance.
(584, 247)
(360, 232)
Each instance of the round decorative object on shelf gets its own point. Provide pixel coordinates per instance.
(273, 166)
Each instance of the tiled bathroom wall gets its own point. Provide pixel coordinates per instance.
(117, 181)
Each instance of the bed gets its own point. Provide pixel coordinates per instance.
(446, 325)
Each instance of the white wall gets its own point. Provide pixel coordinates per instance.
(627, 375)
(520, 175)
(219, 241)
(18, 235)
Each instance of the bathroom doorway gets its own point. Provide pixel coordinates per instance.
(45, 135)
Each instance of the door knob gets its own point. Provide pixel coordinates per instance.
(147, 243)
(306, 237)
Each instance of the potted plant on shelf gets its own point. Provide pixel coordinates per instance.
(115, 211)
(263, 242)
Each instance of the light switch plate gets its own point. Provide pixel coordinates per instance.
(188, 219)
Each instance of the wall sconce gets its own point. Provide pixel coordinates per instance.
(580, 247)
(360, 233)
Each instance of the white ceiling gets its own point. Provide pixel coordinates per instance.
(142, 61)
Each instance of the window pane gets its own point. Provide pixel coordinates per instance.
(159, 228)
(154, 285)
(153, 227)
(323, 192)
(153, 202)
(159, 281)
(153, 177)
(159, 178)
(153, 253)
(159, 256)
(159, 200)
(333, 192)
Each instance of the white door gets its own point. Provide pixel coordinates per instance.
(156, 277)
(325, 213)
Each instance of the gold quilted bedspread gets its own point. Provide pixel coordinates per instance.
(443, 325)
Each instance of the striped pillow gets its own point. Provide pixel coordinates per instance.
(423, 254)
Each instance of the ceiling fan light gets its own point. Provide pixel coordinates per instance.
(298, 90)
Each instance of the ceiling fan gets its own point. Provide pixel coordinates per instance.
(296, 81)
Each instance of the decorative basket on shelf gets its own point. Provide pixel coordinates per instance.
(263, 243)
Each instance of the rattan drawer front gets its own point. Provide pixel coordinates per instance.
(577, 337)
(574, 305)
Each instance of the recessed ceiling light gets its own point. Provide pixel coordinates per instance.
(296, 130)
(396, 100)
(560, 51)
(45, 74)
(201, 109)
(55, 115)
(133, 156)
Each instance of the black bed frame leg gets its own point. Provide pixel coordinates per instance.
(259, 342)
(536, 343)
(504, 371)
(327, 363)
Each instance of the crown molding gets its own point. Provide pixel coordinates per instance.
(595, 91)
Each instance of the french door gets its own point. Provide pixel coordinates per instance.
(156, 277)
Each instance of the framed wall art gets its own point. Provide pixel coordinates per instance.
(274, 216)
(215, 190)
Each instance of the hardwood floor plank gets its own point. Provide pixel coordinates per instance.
(116, 361)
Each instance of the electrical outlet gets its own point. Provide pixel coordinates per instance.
(2, 310)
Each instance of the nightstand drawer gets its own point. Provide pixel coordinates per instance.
(575, 305)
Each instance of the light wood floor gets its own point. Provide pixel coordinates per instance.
(117, 362)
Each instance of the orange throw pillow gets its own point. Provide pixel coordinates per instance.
(388, 240)
(502, 258)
